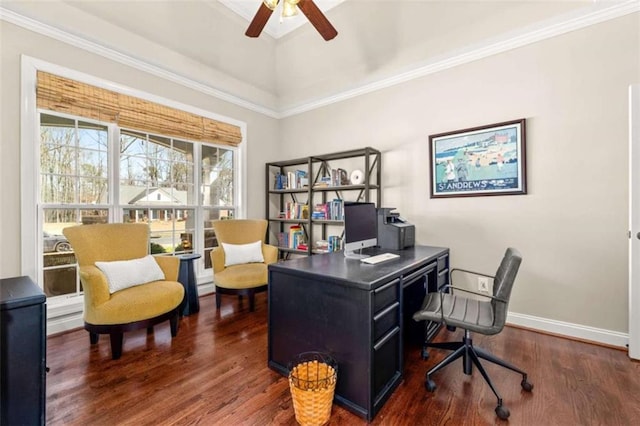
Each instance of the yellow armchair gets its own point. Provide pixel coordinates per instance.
(140, 306)
(243, 279)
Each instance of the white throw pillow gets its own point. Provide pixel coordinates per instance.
(236, 254)
(123, 274)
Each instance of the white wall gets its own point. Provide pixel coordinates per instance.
(16, 41)
(572, 225)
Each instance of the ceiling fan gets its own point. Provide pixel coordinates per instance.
(289, 8)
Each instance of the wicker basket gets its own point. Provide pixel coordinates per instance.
(312, 381)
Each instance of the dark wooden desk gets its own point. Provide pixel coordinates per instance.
(356, 313)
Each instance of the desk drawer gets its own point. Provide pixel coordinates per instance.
(385, 320)
(443, 278)
(386, 295)
(443, 263)
(386, 362)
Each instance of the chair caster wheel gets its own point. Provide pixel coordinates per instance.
(526, 385)
(451, 328)
(424, 353)
(430, 385)
(502, 412)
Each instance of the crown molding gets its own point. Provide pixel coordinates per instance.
(591, 15)
(114, 55)
(502, 44)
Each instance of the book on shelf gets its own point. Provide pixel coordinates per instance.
(333, 210)
(283, 239)
(302, 181)
(321, 246)
(320, 211)
(294, 210)
(280, 181)
(336, 209)
(339, 177)
(296, 179)
(291, 180)
(335, 243)
(296, 236)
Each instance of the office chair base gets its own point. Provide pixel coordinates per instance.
(471, 356)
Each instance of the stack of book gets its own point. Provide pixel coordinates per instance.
(333, 210)
(295, 210)
(296, 237)
(291, 180)
(334, 243)
(297, 179)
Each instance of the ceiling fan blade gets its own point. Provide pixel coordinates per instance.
(259, 21)
(317, 19)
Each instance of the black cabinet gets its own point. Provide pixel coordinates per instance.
(354, 312)
(22, 352)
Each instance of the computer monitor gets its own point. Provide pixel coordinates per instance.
(360, 228)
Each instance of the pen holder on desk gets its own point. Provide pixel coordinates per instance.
(312, 381)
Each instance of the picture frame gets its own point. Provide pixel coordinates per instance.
(479, 161)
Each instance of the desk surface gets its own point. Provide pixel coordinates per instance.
(354, 273)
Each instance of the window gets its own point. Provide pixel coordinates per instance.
(73, 182)
(72, 130)
(154, 182)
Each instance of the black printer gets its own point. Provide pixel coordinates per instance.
(394, 232)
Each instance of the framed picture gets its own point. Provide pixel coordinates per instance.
(486, 160)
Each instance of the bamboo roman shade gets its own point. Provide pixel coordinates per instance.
(61, 94)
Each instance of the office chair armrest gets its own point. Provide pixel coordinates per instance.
(477, 293)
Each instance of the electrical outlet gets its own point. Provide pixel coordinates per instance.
(483, 284)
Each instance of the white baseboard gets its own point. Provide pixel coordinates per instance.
(597, 335)
(64, 323)
(577, 331)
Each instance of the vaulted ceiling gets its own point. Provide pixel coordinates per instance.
(377, 39)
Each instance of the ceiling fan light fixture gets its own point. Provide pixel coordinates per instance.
(271, 4)
(289, 8)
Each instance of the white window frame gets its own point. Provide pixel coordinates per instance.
(61, 308)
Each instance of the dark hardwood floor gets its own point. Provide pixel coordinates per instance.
(215, 372)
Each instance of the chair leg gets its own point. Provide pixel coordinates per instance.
(252, 300)
(450, 346)
(481, 353)
(149, 330)
(93, 338)
(116, 345)
(173, 323)
(474, 357)
(448, 360)
(501, 411)
(218, 299)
